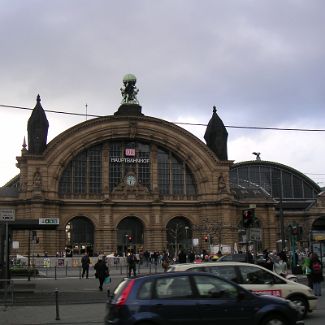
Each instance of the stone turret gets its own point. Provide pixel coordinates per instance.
(216, 136)
(37, 129)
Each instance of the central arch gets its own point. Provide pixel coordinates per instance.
(130, 235)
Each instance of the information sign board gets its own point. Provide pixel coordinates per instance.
(48, 221)
(255, 234)
(7, 215)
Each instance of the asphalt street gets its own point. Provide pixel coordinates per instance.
(79, 302)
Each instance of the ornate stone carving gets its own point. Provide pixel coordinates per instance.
(37, 180)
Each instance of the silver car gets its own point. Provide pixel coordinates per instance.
(257, 279)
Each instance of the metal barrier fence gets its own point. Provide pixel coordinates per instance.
(6, 292)
(62, 270)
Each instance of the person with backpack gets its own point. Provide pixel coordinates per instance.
(316, 274)
(101, 271)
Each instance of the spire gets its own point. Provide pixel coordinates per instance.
(37, 128)
(216, 136)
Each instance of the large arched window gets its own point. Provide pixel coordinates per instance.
(174, 177)
(84, 174)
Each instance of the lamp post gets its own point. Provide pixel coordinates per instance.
(282, 231)
(282, 224)
(186, 239)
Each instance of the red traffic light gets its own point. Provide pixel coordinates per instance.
(130, 238)
(205, 238)
(248, 217)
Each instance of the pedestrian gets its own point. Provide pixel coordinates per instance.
(280, 266)
(306, 269)
(101, 271)
(191, 256)
(165, 261)
(316, 274)
(182, 257)
(85, 261)
(268, 263)
(132, 263)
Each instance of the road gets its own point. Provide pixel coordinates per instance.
(80, 302)
(318, 316)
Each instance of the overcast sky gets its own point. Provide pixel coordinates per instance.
(261, 63)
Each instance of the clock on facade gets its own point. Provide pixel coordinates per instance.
(130, 180)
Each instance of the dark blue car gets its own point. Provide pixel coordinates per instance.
(194, 298)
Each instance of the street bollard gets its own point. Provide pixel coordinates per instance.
(55, 272)
(57, 304)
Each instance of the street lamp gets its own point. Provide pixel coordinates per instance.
(186, 239)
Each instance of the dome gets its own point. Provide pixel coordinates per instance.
(129, 77)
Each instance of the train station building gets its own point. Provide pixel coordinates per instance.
(130, 180)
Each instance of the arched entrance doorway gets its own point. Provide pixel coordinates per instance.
(318, 236)
(179, 235)
(79, 236)
(129, 235)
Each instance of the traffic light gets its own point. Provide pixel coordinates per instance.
(130, 239)
(206, 239)
(248, 217)
(294, 230)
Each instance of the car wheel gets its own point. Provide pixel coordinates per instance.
(274, 320)
(302, 306)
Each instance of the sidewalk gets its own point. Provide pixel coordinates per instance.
(69, 314)
(78, 312)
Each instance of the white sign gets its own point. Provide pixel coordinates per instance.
(7, 215)
(255, 234)
(195, 242)
(130, 160)
(48, 221)
(15, 244)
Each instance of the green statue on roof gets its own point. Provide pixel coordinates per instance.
(129, 91)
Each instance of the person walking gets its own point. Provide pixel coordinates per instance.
(132, 263)
(165, 261)
(316, 274)
(101, 271)
(85, 261)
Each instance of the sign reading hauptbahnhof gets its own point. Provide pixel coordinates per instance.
(131, 160)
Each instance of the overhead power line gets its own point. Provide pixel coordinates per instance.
(180, 123)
